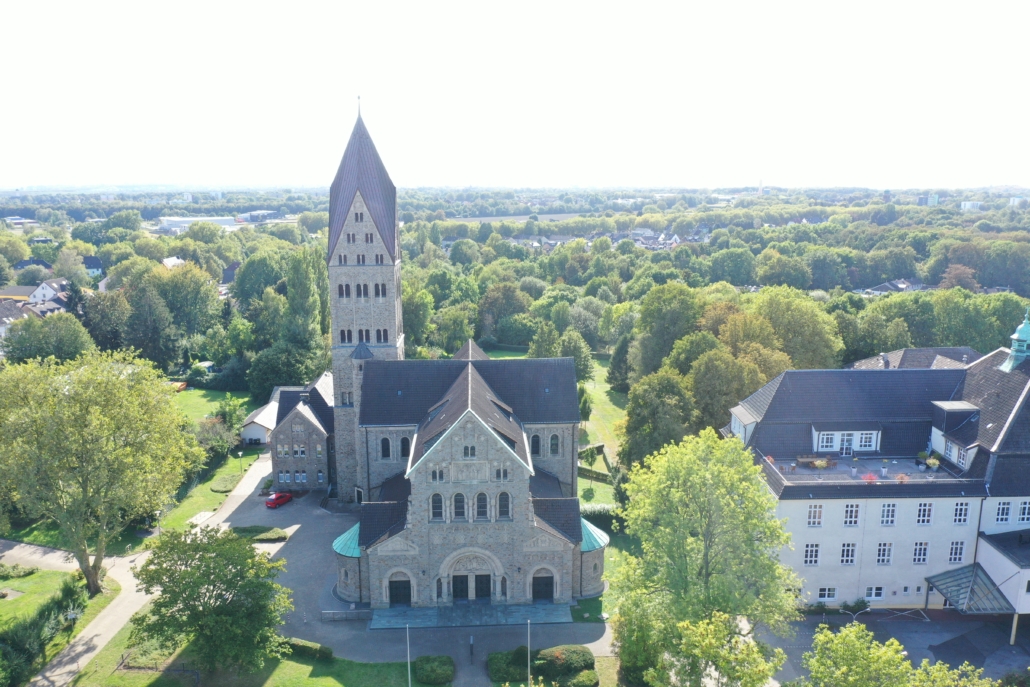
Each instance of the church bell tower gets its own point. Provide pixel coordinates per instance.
(365, 290)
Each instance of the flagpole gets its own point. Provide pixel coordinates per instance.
(407, 639)
(529, 673)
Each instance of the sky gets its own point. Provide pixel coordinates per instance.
(219, 94)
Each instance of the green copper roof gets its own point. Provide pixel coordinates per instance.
(347, 543)
(593, 538)
(1023, 331)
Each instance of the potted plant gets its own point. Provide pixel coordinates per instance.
(820, 464)
(933, 463)
(902, 478)
(854, 471)
(883, 470)
(869, 477)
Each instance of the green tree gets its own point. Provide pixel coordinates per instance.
(658, 413)
(320, 272)
(689, 349)
(712, 653)
(6, 273)
(189, 295)
(808, 333)
(213, 591)
(734, 265)
(517, 330)
(60, 335)
(281, 365)
(561, 316)
(852, 658)
(13, 248)
(464, 252)
(417, 306)
(770, 362)
(827, 269)
(75, 300)
(204, 232)
(572, 345)
(718, 382)
(232, 411)
(106, 316)
(709, 553)
(501, 300)
(302, 323)
(241, 335)
(546, 343)
(149, 328)
(746, 327)
(781, 270)
(268, 316)
(93, 444)
(667, 314)
(586, 407)
(33, 275)
(69, 266)
(313, 222)
(257, 273)
(130, 220)
(618, 366)
(453, 326)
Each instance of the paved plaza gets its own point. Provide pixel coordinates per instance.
(470, 615)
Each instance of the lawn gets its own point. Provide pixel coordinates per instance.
(595, 492)
(200, 403)
(93, 608)
(503, 355)
(301, 672)
(202, 498)
(606, 667)
(36, 588)
(46, 533)
(608, 409)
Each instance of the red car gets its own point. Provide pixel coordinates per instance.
(277, 499)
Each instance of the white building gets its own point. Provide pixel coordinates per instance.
(177, 225)
(971, 205)
(845, 453)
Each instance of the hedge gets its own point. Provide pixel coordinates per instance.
(566, 663)
(505, 666)
(301, 647)
(587, 678)
(601, 514)
(564, 660)
(434, 670)
(8, 572)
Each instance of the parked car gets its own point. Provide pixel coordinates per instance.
(277, 499)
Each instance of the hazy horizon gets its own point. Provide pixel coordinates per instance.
(197, 96)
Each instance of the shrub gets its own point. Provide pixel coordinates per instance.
(503, 668)
(564, 660)
(226, 483)
(585, 678)
(301, 647)
(434, 670)
(8, 572)
(600, 514)
(261, 533)
(267, 483)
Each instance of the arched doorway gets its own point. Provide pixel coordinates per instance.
(474, 575)
(543, 588)
(400, 589)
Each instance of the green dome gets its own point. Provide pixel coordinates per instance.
(1023, 332)
(347, 543)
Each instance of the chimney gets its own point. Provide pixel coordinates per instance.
(965, 359)
(305, 396)
(886, 361)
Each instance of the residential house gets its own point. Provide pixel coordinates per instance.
(22, 264)
(173, 262)
(229, 273)
(17, 293)
(94, 266)
(870, 517)
(48, 290)
(10, 312)
(896, 286)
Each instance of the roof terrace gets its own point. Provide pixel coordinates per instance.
(822, 470)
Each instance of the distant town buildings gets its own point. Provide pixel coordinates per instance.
(971, 206)
(177, 225)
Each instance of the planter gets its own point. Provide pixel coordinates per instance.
(935, 468)
(883, 472)
(922, 468)
(854, 471)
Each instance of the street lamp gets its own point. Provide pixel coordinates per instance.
(240, 454)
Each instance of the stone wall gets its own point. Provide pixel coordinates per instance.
(370, 451)
(349, 581)
(563, 464)
(299, 448)
(591, 572)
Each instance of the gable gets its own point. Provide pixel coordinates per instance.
(448, 449)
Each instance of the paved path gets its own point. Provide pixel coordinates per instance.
(60, 671)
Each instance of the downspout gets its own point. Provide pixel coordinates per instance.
(368, 469)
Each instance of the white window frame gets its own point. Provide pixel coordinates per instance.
(866, 441)
(831, 445)
(960, 458)
(888, 514)
(961, 512)
(873, 593)
(920, 552)
(1004, 512)
(957, 553)
(924, 513)
(827, 593)
(851, 514)
(847, 553)
(1024, 511)
(949, 450)
(884, 553)
(811, 556)
(847, 443)
(815, 515)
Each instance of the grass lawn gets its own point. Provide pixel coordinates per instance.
(200, 403)
(93, 608)
(501, 355)
(202, 498)
(606, 667)
(608, 409)
(36, 588)
(621, 545)
(595, 492)
(45, 533)
(301, 672)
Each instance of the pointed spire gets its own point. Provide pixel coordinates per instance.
(362, 171)
(1020, 345)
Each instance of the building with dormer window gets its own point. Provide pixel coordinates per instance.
(906, 485)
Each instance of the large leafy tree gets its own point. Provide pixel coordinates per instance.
(106, 316)
(718, 382)
(257, 273)
(667, 314)
(709, 551)
(60, 335)
(619, 367)
(546, 343)
(417, 306)
(808, 333)
(658, 413)
(302, 323)
(217, 594)
(189, 294)
(501, 300)
(92, 444)
(572, 345)
(150, 329)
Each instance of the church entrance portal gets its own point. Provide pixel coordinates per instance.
(543, 586)
(483, 588)
(460, 588)
(400, 593)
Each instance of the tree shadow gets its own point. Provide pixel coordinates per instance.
(617, 399)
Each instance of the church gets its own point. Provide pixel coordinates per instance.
(463, 471)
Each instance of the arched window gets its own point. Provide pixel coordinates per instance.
(287, 476)
(339, 290)
(504, 587)
(472, 451)
(505, 473)
(304, 476)
(595, 567)
(350, 336)
(339, 259)
(344, 259)
(385, 443)
(439, 588)
(482, 507)
(346, 290)
(405, 447)
(368, 333)
(280, 477)
(504, 505)
(459, 506)
(346, 576)
(497, 475)
(379, 336)
(554, 444)
(357, 290)
(434, 475)
(361, 335)
(343, 336)
(386, 337)
(437, 507)
(534, 444)
(377, 290)
(364, 290)
(321, 477)
(383, 289)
